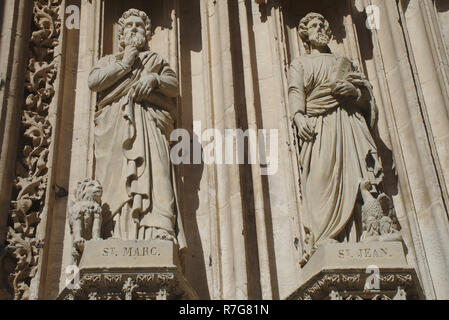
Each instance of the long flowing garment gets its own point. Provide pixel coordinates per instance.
(342, 153)
(132, 152)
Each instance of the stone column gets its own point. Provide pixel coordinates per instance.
(430, 61)
(420, 193)
(276, 214)
(15, 29)
(82, 157)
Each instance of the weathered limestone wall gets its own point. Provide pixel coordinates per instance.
(422, 181)
(428, 57)
(232, 58)
(442, 7)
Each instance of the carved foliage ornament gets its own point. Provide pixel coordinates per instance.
(349, 286)
(128, 286)
(32, 165)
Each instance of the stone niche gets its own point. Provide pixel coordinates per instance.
(129, 270)
(104, 267)
(379, 270)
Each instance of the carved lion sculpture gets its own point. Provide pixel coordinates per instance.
(85, 215)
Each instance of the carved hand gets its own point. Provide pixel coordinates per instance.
(305, 127)
(358, 79)
(345, 89)
(131, 53)
(144, 87)
(364, 87)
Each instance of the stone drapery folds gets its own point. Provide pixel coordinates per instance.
(132, 127)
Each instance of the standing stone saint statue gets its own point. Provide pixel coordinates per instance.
(334, 112)
(136, 92)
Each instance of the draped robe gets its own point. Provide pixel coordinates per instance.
(342, 152)
(131, 147)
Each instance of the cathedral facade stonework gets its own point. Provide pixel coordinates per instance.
(224, 150)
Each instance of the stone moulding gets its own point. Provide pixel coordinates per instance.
(163, 284)
(31, 182)
(349, 285)
(359, 271)
(117, 269)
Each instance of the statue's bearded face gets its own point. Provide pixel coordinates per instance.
(318, 33)
(134, 32)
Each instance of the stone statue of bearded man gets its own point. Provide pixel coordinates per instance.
(334, 112)
(136, 102)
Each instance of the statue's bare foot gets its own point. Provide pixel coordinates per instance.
(161, 234)
(369, 239)
(394, 236)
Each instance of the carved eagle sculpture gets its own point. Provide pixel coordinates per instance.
(377, 222)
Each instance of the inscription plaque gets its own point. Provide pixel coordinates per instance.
(132, 254)
(364, 253)
(341, 256)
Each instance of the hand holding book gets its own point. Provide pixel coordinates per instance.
(346, 81)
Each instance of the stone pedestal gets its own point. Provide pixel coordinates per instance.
(129, 270)
(359, 271)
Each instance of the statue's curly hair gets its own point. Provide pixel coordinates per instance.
(304, 30)
(134, 13)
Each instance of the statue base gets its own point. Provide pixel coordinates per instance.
(358, 271)
(129, 270)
